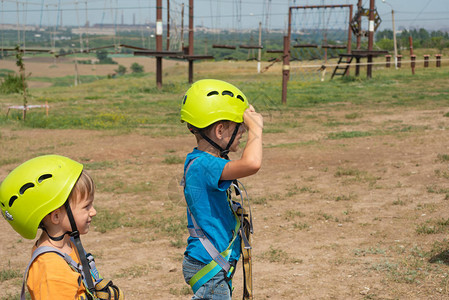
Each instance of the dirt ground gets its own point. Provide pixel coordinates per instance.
(333, 218)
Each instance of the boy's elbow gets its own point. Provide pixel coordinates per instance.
(254, 166)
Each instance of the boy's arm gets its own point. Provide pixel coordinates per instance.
(251, 159)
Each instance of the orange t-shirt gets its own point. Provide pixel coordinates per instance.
(50, 277)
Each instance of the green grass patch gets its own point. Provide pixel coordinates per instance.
(433, 227)
(99, 165)
(9, 274)
(107, 220)
(68, 81)
(173, 160)
(349, 134)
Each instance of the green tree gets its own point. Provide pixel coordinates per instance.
(121, 70)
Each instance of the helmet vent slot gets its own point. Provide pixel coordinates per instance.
(43, 177)
(25, 187)
(241, 98)
(11, 201)
(213, 93)
(184, 101)
(229, 93)
(2, 204)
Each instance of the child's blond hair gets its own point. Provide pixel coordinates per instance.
(84, 188)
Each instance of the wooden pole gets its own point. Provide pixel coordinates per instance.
(412, 56)
(359, 24)
(168, 25)
(285, 68)
(348, 47)
(369, 67)
(182, 27)
(190, 40)
(159, 31)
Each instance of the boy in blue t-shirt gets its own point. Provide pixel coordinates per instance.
(217, 113)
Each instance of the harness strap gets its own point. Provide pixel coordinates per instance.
(104, 290)
(197, 232)
(42, 250)
(220, 261)
(77, 241)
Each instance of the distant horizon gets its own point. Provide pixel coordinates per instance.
(138, 26)
(431, 15)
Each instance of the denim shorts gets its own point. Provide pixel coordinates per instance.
(217, 288)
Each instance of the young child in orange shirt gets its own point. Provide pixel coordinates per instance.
(53, 193)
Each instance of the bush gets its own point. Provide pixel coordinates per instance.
(12, 83)
(136, 68)
(121, 70)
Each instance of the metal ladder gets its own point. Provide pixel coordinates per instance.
(344, 67)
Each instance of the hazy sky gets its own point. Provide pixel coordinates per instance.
(229, 14)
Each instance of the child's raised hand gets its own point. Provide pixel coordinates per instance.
(252, 119)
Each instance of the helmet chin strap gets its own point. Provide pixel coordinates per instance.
(56, 239)
(79, 247)
(223, 152)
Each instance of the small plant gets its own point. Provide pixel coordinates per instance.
(136, 68)
(11, 84)
(443, 157)
(276, 255)
(352, 116)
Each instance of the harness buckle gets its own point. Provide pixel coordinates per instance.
(231, 272)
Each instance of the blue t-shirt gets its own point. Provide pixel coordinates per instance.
(206, 198)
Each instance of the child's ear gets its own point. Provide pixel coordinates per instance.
(56, 216)
(219, 130)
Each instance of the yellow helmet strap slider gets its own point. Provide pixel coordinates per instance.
(223, 152)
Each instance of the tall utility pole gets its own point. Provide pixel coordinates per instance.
(394, 40)
(259, 52)
(182, 27)
(190, 40)
(159, 31)
(369, 67)
(394, 35)
(359, 24)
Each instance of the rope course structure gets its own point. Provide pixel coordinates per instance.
(318, 34)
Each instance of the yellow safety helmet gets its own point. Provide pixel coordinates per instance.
(209, 100)
(36, 188)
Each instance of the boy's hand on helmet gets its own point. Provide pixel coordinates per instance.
(252, 119)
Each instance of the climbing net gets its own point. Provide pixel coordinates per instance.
(318, 35)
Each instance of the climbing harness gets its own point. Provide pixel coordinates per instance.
(103, 290)
(246, 230)
(220, 261)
